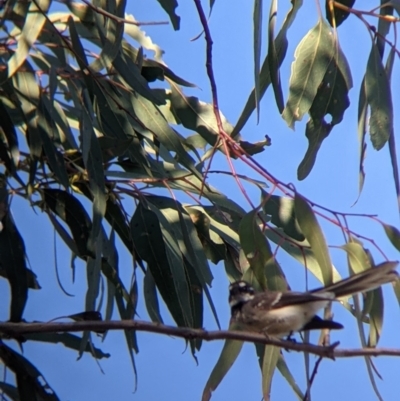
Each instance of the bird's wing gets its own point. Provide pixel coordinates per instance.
(269, 300)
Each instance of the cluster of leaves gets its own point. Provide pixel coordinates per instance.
(85, 114)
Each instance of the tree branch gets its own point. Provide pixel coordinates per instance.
(19, 329)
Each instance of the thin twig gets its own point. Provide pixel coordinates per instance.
(307, 395)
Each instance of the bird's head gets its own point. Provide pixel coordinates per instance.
(240, 292)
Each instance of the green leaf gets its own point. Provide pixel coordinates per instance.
(285, 372)
(110, 253)
(232, 265)
(9, 152)
(339, 15)
(256, 147)
(258, 253)
(92, 158)
(152, 119)
(375, 317)
(34, 22)
(213, 246)
(273, 61)
(257, 34)
(197, 116)
(79, 51)
(132, 78)
(312, 58)
(379, 98)
(61, 124)
(176, 264)
(393, 234)
(362, 129)
(281, 45)
(12, 255)
(271, 357)
(150, 297)
(316, 132)
(139, 35)
(111, 34)
(150, 244)
(358, 259)
(281, 210)
(314, 235)
(301, 252)
(331, 98)
(169, 6)
(228, 356)
(27, 92)
(68, 340)
(71, 211)
(392, 144)
(30, 381)
(55, 159)
(118, 220)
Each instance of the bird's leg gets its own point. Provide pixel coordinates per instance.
(290, 338)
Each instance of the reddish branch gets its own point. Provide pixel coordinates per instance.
(19, 329)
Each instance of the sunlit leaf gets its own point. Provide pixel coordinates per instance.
(271, 357)
(314, 235)
(281, 210)
(331, 98)
(258, 253)
(33, 25)
(285, 372)
(228, 355)
(92, 158)
(312, 58)
(281, 45)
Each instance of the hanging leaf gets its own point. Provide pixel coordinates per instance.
(281, 45)
(281, 210)
(271, 357)
(30, 381)
(169, 6)
(71, 211)
(338, 15)
(151, 246)
(228, 355)
(312, 58)
(258, 253)
(314, 235)
(379, 99)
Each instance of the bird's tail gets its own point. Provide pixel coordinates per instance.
(365, 281)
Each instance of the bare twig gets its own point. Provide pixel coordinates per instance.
(307, 396)
(19, 329)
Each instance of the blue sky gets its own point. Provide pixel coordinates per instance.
(166, 369)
